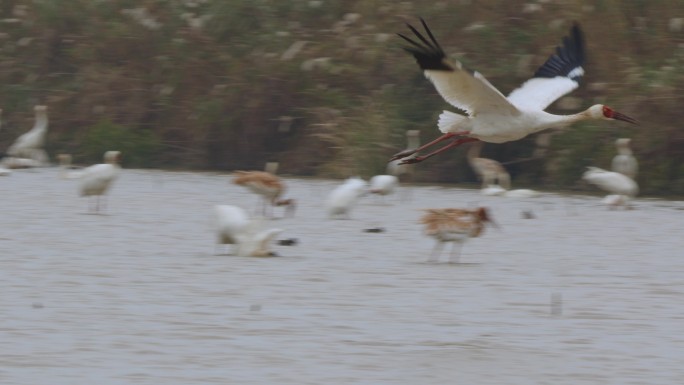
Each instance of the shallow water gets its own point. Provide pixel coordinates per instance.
(578, 295)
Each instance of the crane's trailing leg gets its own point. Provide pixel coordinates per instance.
(456, 142)
(410, 152)
(442, 138)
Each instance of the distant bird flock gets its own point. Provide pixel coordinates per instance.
(485, 116)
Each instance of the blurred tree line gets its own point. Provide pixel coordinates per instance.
(322, 86)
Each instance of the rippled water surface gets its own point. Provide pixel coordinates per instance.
(578, 295)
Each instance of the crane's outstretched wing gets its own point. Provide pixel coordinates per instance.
(559, 75)
(466, 90)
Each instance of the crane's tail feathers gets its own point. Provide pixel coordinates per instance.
(447, 120)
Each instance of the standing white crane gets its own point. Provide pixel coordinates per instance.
(624, 162)
(454, 225)
(233, 226)
(341, 200)
(622, 187)
(488, 115)
(97, 179)
(30, 144)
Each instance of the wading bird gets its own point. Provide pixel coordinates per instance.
(624, 162)
(30, 144)
(488, 170)
(383, 185)
(268, 186)
(341, 200)
(454, 225)
(488, 115)
(97, 179)
(233, 226)
(621, 187)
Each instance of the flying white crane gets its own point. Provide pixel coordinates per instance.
(341, 200)
(233, 226)
(622, 187)
(454, 225)
(625, 162)
(97, 179)
(30, 144)
(488, 115)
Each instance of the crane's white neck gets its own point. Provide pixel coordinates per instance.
(547, 120)
(41, 120)
(624, 150)
(112, 157)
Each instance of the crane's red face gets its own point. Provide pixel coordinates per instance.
(612, 114)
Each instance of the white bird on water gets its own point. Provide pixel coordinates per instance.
(30, 145)
(624, 162)
(341, 200)
(493, 190)
(233, 226)
(522, 193)
(97, 179)
(488, 115)
(383, 185)
(622, 187)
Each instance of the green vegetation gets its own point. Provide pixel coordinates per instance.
(322, 86)
(140, 147)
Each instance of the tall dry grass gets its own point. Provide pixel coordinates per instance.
(322, 86)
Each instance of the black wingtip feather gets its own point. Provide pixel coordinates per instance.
(428, 54)
(568, 58)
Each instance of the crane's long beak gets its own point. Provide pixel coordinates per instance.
(624, 118)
